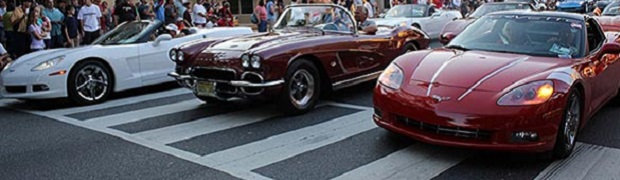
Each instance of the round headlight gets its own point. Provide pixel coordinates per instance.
(180, 55)
(245, 61)
(255, 62)
(173, 55)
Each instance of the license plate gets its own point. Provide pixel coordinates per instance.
(205, 88)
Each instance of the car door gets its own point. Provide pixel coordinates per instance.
(606, 73)
(154, 61)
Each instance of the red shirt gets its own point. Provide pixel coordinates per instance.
(262, 12)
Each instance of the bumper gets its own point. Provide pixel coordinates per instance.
(500, 129)
(32, 85)
(228, 88)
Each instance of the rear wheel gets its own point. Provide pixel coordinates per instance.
(90, 82)
(567, 132)
(302, 87)
(410, 47)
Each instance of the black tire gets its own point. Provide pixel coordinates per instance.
(211, 100)
(572, 118)
(409, 47)
(302, 87)
(90, 82)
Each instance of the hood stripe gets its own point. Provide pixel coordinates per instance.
(489, 76)
(434, 78)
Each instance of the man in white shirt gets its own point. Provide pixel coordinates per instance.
(89, 17)
(371, 10)
(199, 14)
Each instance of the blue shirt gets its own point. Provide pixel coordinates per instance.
(159, 12)
(270, 14)
(56, 17)
(180, 8)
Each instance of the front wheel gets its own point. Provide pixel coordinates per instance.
(302, 87)
(90, 82)
(567, 131)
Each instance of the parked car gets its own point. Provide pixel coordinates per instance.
(538, 5)
(130, 56)
(313, 49)
(528, 83)
(454, 27)
(580, 6)
(612, 9)
(425, 17)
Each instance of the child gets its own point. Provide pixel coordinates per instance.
(35, 31)
(70, 29)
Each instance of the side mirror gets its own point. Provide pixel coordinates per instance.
(609, 48)
(445, 38)
(382, 15)
(161, 38)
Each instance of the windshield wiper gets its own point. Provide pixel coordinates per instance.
(459, 47)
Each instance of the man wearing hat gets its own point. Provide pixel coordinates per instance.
(173, 30)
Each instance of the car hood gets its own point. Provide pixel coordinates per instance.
(260, 40)
(32, 59)
(476, 70)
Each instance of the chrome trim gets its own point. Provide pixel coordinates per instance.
(261, 80)
(216, 68)
(236, 83)
(356, 80)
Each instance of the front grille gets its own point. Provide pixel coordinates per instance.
(15, 89)
(445, 130)
(215, 74)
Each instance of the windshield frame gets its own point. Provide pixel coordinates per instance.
(487, 5)
(409, 6)
(145, 32)
(289, 8)
(474, 45)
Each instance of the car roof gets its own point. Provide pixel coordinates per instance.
(543, 13)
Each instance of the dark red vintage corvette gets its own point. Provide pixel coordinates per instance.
(313, 49)
(456, 26)
(514, 81)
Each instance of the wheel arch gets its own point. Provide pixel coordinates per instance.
(326, 84)
(102, 61)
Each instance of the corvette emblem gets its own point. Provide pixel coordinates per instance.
(439, 98)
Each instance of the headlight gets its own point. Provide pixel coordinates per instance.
(48, 64)
(532, 93)
(180, 55)
(255, 61)
(7, 66)
(245, 61)
(392, 77)
(173, 55)
(403, 24)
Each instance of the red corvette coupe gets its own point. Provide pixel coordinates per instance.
(515, 81)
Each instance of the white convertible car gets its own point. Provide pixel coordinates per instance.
(132, 55)
(425, 17)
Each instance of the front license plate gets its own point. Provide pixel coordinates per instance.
(205, 88)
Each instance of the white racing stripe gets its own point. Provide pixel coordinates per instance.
(587, 162)
(133, 116)
(286, 145)
(207, 125)
(121, 102)
(419, 161)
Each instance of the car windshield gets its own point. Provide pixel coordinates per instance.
(530, 35)
(407, 11)
(489, 8)
(127, 33)
(325, 18)
(611, 10)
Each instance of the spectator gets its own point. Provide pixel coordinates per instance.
(46, 26)
(19, 19)
(4, 57)
(8, 26)
(89, 16)
(187, 15)
(145, 10)
(37, 34)
(226, 17)
(261, 13)
(180, 8)
(158, 8)
(200, 14)
(124, 12)
(62, 4)
(77, 5)
(368, 6)
(207, 5)
(108, 20)
(170, 13)
(71, 27)
(271, 16)
(2, 12)
(56, 18)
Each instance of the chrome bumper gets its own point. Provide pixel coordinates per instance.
(235, 83)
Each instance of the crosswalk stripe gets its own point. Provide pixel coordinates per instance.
(133, 116)
(207, 125)
(286, 145)
(419, 161)
(587, 162)
(120, 102)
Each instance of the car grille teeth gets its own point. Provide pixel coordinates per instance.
(445, 130)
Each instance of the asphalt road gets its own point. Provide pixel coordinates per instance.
(162, 132)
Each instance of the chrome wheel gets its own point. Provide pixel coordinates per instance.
(571, 123)
(91, 83)
(301, 88)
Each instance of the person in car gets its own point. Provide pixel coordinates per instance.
(173, 30)
(564, 43)
(364, 25)
(511, 34)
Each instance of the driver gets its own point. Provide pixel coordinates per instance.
(564, 43)
(173, 30)
(510, 34)
(364, 25)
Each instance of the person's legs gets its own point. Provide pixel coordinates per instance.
(48, 43)
(262, 26)
(57, 42)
